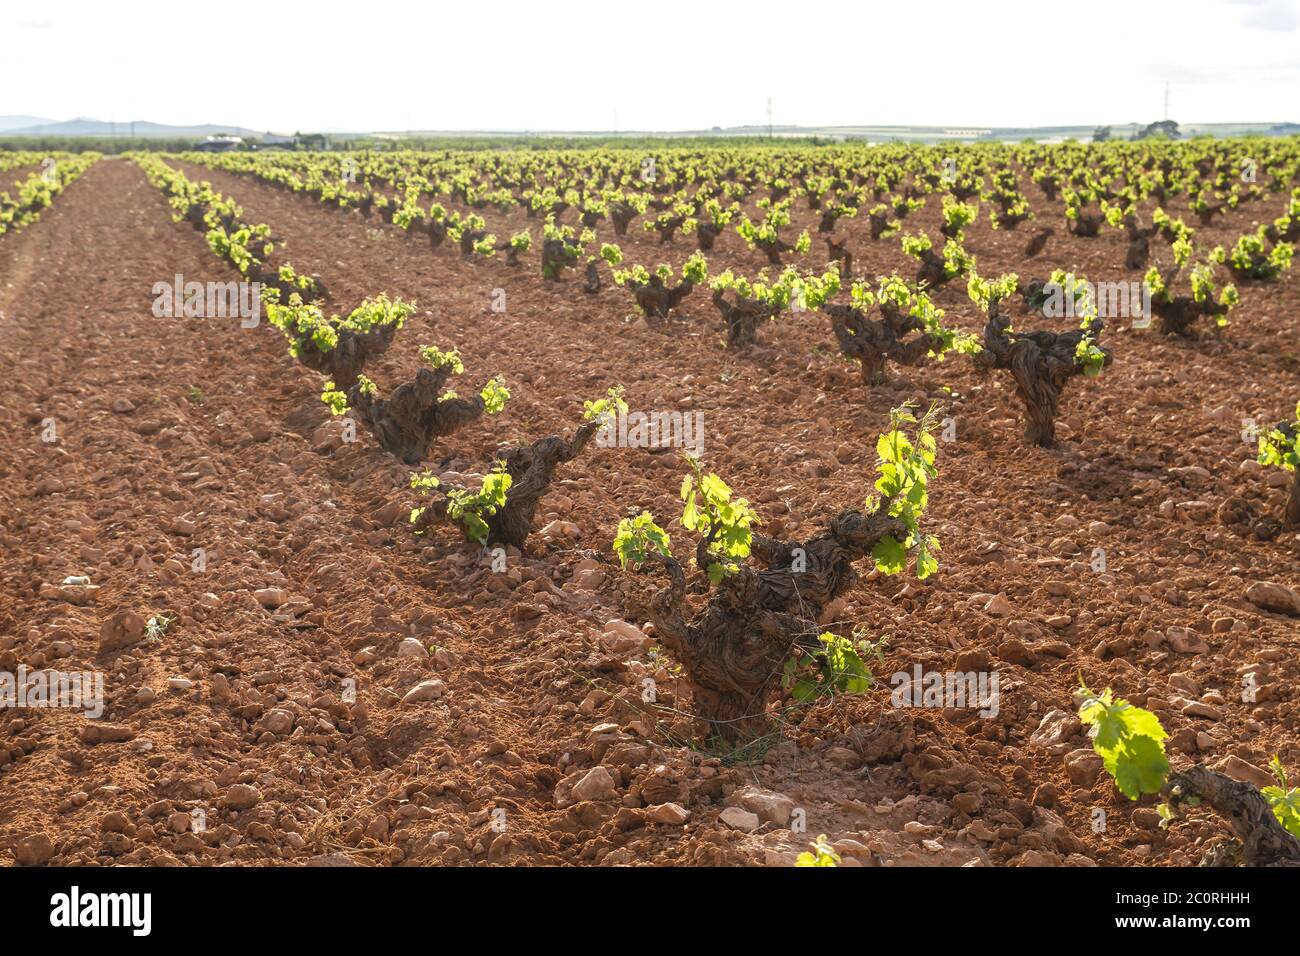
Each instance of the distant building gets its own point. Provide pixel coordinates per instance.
(277, 141)
(220, 144)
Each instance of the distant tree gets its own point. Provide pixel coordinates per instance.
(1161, 129)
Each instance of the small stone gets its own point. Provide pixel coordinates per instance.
(998, 606)
(1056, 727)
(1015, 652)
(671, 814)
(123, 629)
(271, 598)
(770, 807)
(1063, 547)
(1186, 641)
(1083, 766)
(95, 732)
(1196, 708)
(1274, 597)
(842, 757)
(561, 529)
(33, 850)
(1238, 769)
(412, 647)
(596, 785)
(967, 803)
(425, 690)
(739, 819)
(618, 628)
(278, 721)
(115, 821)
(241, 796)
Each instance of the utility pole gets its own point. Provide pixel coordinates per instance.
(769, 117)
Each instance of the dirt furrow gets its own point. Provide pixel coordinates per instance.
(1118, 555)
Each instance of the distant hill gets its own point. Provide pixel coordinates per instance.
(83, 126)
(915, 134)
(8, 123)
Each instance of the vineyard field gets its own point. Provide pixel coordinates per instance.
(892, 505)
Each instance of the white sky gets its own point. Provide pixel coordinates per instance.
(286, 65)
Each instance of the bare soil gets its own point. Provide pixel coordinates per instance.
(176, 435)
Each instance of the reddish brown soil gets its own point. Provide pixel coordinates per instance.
(11, 178)
(249, 474)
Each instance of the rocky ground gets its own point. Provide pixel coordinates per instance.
(330, 688)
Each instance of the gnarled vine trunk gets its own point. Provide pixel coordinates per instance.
(620, 214)
(531, 469)
(839, 252)
(1178, 314)
(1086, 225)
(345, 361)
(557, 255)
(875, 342)
(878, 223)
(667, 227)
(1139, 243)
(437, 231)
(1038, 241)
(741, 318)
(706, 234)
(1206, 215)
(772, 248)
(1139, 250)
(1010, 220)
(1291, 514)
(1264, 841)
(656, 299)
(467, 239)
(931, 271)
(733, 650)
(407, 422)
(1040, 363)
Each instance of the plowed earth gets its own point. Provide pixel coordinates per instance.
(177, 436)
